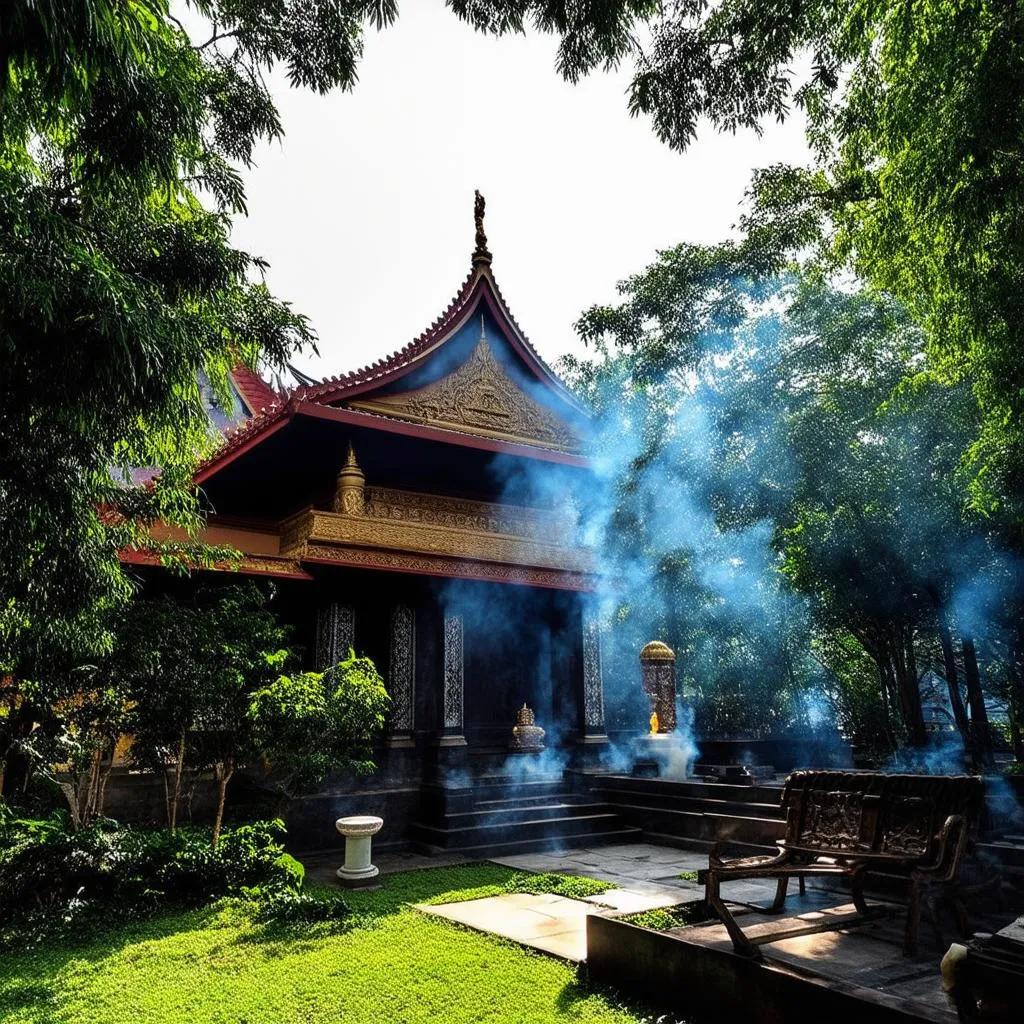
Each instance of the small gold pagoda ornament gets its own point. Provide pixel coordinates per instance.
(658, 671)
(350, 488)
(527, 738)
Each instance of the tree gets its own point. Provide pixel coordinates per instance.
(160, 656)
(777, 415)
(310, 724)
(243, 650)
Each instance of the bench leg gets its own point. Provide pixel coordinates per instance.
(780, 895)
(963, 920)
(933, 917)
(740, 943)
(910, 937)
(857, 889)
(803, 886)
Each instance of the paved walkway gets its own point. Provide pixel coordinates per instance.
(640, 867)
(646, 878)
(552, 924)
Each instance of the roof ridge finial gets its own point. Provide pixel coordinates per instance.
(481, 254)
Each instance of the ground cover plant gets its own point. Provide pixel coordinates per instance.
(57, 883)
(662, 919)
(575, 887)
(387, 961)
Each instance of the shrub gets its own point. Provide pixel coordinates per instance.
(52, 878)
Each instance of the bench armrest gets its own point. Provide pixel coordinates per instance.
(950, 849)
(766, 860)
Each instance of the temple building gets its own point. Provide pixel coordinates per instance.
(423, 511)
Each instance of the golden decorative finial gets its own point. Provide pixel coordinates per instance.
(350, 487)
(481, 254)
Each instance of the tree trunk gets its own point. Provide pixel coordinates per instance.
(884, 689)
(224, 774)
(1016, 695)
(178, 768)
(952, 678)
(1016, 713)
(17, 769)
(981, 739)
(909, 690)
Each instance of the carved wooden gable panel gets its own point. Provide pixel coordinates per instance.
(479, 397)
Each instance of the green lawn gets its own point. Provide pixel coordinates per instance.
(389, 964)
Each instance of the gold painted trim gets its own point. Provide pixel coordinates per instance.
(319, 527)
(458, 568)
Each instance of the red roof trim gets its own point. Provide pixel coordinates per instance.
(246, 436)
(256, 393)
(357, 418)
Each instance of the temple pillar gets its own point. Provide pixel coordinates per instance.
(452, 702)
(593, 682)
(335, 634)
(402, 675)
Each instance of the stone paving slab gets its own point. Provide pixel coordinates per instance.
(641, 868)
(552, 924)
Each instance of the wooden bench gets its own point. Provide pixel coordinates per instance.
(849, 824)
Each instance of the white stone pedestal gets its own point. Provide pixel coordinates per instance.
(358, 832)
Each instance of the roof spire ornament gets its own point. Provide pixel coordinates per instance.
(481, 254)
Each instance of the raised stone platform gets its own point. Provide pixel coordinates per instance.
(818, 962)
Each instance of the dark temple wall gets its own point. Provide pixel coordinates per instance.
(521, 645)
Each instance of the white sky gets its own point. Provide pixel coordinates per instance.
(365, 210)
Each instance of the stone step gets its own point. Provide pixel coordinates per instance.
(499, 834)
(664, 788)
(503, 788)
(508, 849)
(688, 802)
(528, 801)
(703, 825)
(732, 848)
(514, 814)
(1003, 852)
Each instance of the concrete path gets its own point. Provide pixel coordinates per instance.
(646, 878)
(552, 924)
(640, 867)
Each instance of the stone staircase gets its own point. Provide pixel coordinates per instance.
(499, 816)
(694, 813)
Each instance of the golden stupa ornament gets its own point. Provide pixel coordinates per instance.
(350, 488)
(527, 737)
(658, 672)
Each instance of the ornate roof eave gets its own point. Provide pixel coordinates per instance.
(247, 435)
(255, 431)
(378, 421)
(480, 284)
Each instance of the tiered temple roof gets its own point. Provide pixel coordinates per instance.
(427, 423)
(374, 392)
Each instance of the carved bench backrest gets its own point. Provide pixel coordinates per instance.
(866, 812)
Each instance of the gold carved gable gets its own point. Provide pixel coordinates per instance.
(479, 397)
